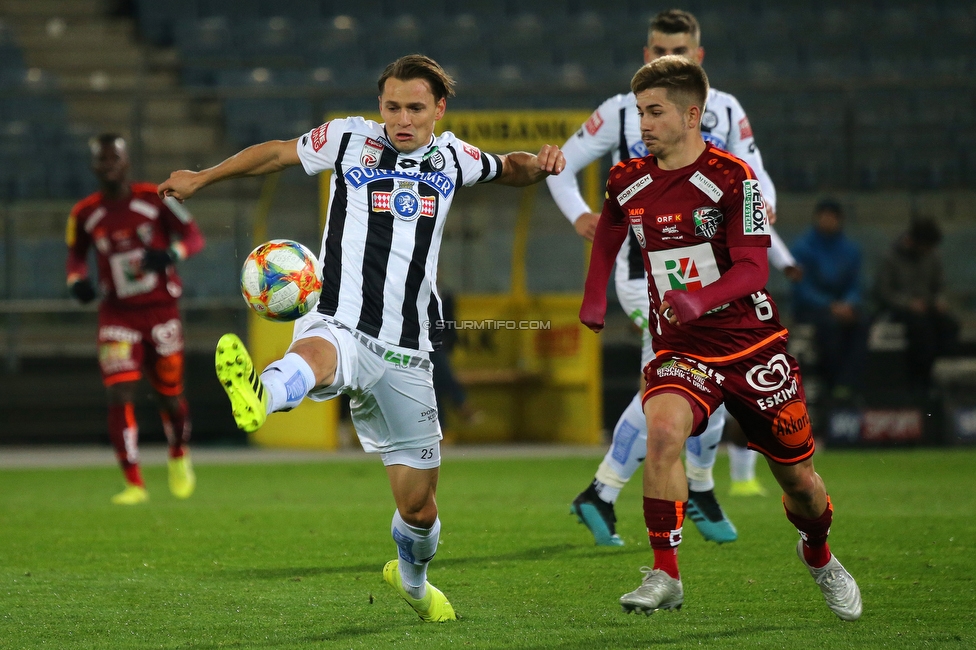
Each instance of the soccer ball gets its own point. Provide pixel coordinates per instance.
(280, 280)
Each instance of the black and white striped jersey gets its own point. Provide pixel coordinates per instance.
(386, 218)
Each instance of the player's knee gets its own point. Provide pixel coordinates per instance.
(802, 485)
(421, 513)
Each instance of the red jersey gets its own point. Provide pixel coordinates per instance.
(121, 231)
(685, 221)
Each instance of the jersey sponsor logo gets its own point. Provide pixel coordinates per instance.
(779, 397)
(320, 135)
(594, 123)
(709, 120)
(474, 152)
(97, 215)
(634, 188)
(119, 333)
(770, 376)
(145, 233)
(407, 163)
(667, 218)
(710, 189)
(144, 208)
(714, 139)
(754, 221)
(359, 176)
(637, 223)
(178, 209)
(404, 203)
(168, 337)
(706, 221)
(684, 269)
(370, 155)
(639, 150)
(745, 129)
(792, 424)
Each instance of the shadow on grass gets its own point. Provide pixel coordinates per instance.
(337, 635)
(540, 553)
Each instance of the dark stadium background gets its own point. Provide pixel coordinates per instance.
(871, 103)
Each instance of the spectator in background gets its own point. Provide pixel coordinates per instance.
(911, 287)
(828, 296)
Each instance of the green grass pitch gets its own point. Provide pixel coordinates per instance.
(290, 555)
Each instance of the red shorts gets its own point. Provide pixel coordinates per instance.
(147, 337)
(763, 391)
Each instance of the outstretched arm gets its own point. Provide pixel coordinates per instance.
(611, 231)
(264, 158)
(520, 168)
(749, 272)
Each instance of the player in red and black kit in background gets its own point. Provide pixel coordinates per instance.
(700, 219)
(137, 239)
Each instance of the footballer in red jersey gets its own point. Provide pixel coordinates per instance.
(137, 239)
(700, 220)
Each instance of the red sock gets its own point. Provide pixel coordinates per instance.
(814, 532)
(124, 434)
(664, 519)
(177, 428)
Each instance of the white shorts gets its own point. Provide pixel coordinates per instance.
(632, 295)
(390, 389)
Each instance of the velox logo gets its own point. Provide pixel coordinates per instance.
(753, 209)
(771, 376)
(634, 188)
(708, 187)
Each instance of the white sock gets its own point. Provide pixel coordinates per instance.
(417, 547)
(287, 382)
(608, 484)
(742, 462)
(700, 453)
(629, 446)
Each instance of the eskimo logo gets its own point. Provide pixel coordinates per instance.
(771, 376)
(683, 274)
(706, 221)
(753, 209)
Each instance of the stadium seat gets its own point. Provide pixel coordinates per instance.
(249, 121)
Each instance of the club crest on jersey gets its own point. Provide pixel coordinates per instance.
(637, 224)
(706, 221)
(370, 156)
(435, 158)
(404, 202)
(754, 220)
(709, 120)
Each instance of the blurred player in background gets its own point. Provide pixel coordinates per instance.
(137, 239)
(716, 331)
(377, 318)
(614, 128)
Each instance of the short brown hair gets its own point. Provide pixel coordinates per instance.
(676, 21)
(685, 81)
(418, 66)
